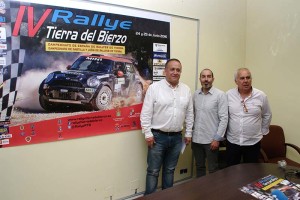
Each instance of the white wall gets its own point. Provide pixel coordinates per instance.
(112, 165)
(272, 53)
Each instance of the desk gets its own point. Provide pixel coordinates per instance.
(223, 184)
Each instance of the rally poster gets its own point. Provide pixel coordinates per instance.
(68, 72)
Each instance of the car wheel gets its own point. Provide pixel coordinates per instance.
(46, 105)
(103, 99)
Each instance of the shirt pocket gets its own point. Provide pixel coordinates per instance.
(234, 107)
(254, 107)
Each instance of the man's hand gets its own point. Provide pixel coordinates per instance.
(214, 145)
(187, 140)
(150, 141)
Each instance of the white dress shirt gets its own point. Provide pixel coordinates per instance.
(211, 116)
(249, 119)
(167, 108)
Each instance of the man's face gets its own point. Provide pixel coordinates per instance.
(244, 80)
(206, 79)
(173, 72)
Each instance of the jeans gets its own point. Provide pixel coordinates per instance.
(201, 153)
(164, 153)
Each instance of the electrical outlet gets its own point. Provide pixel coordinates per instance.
(135, 184)
(108, 192)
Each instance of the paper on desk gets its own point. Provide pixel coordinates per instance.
(183, 146)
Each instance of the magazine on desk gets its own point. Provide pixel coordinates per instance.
(263, 187)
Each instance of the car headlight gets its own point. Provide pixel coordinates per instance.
(49, 77)
(93, 82)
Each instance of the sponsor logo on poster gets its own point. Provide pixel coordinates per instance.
(2, 61)
(2, 34)
(5, 136)
(118, 112)
(158, 47)
(28, 139)
(2, 7)
(117, 127)
(3, 130)
(158, 78)
(4, 142)
(159, 68)
(160, 55)
(3, 46)
(69, 125)
(158, 71)
(159, 62)
(2, 20)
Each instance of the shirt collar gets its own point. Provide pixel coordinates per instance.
(251, 94)
(211, 90)
(171, 86)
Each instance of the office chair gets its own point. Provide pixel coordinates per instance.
(273, 147)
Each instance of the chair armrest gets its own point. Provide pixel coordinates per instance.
(264, 155)
(293, 146)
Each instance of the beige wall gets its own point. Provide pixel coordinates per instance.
(260, 34)
(272, 53)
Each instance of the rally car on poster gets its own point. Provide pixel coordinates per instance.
(92, 81)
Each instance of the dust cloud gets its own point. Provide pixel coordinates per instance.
(28, 87)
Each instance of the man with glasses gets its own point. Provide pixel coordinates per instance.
(249, 119)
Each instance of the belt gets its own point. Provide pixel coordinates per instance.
(166, 133)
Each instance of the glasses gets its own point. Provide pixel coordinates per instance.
(244, 106)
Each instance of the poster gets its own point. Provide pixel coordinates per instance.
(71, 72)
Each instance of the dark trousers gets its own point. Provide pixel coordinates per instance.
(236, 153)
(202, 152)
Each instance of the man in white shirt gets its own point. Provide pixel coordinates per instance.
(249, 119)
(211, 118)
(167, 105)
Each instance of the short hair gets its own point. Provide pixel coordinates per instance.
(172, 59)
(208, 70)
(240, 69)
